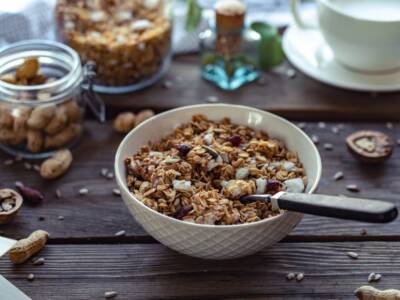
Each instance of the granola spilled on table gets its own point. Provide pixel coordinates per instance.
(199, 172)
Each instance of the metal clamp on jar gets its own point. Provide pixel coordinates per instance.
(43, 94)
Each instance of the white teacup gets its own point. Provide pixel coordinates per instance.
(363, 34)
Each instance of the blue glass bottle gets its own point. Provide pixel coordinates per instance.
(229, 49)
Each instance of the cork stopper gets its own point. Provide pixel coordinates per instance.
(229, 15)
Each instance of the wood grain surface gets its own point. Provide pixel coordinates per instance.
(151, 271)
(100, 214)
(300, 97)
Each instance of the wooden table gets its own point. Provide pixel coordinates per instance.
(84, 258)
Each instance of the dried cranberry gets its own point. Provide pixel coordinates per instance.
(31, 195)
(183, 149)
(235, 140)
(273, 185)
(183, 211)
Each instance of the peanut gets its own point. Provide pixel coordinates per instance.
(58, 122)
(370, 293)
(143, 116)
(28, 69)
(9, 78)
(124, 122)
(64, 137)
(57, 165)
(26, 248)
(35, 140)
(6, 135)
(21, 115)
(6, 119)
(41, 116)
(72, 111)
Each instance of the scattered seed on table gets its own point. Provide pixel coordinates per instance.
(300, 276)
(290, 276)
(290, 73)
(18, 184)
(83, 191)
(315, 139)
(116, 192)
(363, 231)
(338, 175)
(60, 218)
(41, 218)
(389, 125)
(328, 146)
(352, 188)
(110, 175)
(110, 294)
(104, 172)
(335, 130)
(8, 162)
(352, 254)
(58, 193)
(27, 166)
(321, 125)
(302, 125)
(120, 233)
(167, 84)
(36, 168)
(31, 277)
(374, 277)
(38, 261)
(212, 99)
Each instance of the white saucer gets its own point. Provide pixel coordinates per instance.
(307, 51)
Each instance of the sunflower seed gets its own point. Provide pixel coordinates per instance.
(167, 84)
(8, 162)
(377, 277)
(120, 233)
(104, 172)
(315, 139)
(36, 168)
(328, 146)
(58, 193)
(290, 276)
(116, 192)
(212, 99)
(110, 294)
(27, 166)
(352, 188)
(321, 125)
(338, 175)
(302, 125)
(335, 130)
(371, 277)
(31, 277)
(38, 261)
(389, 125)
(18, 184)
(60, 218)
(83, 191)
(290, 73)
(352, 254)
(110, 175)
(300, 276)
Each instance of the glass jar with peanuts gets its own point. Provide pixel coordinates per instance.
(130, 41)
(43, 94)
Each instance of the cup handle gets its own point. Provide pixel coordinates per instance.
(294, 7)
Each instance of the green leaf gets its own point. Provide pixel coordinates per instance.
(193, 15)
(270, 50)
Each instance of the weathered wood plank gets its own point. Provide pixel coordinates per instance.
(300, 97)
(151, 271)
(101, 214)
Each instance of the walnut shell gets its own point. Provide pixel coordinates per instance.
(8, 215)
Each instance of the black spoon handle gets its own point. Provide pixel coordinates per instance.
(372, 211)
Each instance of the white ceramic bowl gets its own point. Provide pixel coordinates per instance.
(216, 241)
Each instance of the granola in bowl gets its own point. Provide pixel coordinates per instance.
(198, 173)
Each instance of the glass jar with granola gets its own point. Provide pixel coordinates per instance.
(130, 41)
(42, 99)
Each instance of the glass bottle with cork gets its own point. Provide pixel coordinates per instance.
(229, 49)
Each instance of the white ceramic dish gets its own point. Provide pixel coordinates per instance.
(307, 51)
(216, 241)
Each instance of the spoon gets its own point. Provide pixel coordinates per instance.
(366, 210)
